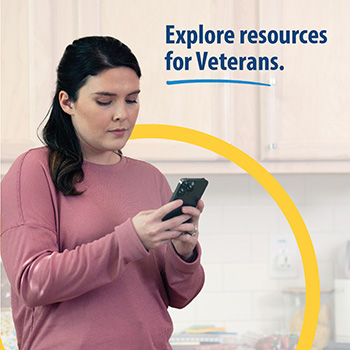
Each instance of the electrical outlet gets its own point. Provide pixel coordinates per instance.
(283, 257)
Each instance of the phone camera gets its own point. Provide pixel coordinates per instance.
(189, 186)
(181, 191)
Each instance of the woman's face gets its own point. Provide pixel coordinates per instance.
(105, 113)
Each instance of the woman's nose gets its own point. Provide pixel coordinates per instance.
(120, 112)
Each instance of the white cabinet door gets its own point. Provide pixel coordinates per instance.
(305, 115)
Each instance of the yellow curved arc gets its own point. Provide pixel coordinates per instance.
(276, 191)
(214, 144)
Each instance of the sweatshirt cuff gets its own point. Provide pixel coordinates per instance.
(130, 241)
(180, 264)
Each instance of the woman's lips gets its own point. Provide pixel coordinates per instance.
(118, 132)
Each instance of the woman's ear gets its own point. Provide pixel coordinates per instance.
(66, 104)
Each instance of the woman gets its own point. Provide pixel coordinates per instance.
(90, 261)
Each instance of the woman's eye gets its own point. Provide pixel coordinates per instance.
(131, 101)
(103, 103)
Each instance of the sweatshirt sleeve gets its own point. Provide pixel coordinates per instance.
(38, 272)
(183, 280)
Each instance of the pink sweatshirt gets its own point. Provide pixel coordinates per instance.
(80, 276)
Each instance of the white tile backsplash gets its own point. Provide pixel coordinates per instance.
(318, 218)
(268, 306)
(214, 277)
(248, 277)
(235, 231)
(250, 219)
(342, 219)
(187, 314)
(326, 273)
(211, 220)
(236, 188)
(294, 185)
(327, 245)
(327, 189)
(224, 306)
(226, 248)
(260, 247)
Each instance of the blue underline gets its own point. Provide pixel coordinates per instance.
(195, 81)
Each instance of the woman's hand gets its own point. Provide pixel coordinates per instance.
(154, 232)
(185, 243)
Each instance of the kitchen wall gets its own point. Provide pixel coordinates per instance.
(236, 227)
(239, 220)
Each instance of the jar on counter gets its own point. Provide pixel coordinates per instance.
(294, 308)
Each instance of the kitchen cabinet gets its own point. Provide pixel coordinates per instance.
(299, 125)
(305, 115)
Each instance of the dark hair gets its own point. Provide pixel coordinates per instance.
(85, 57)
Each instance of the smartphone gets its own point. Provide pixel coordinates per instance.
(190, 190)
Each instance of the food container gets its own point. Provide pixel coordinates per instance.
(294, 305)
